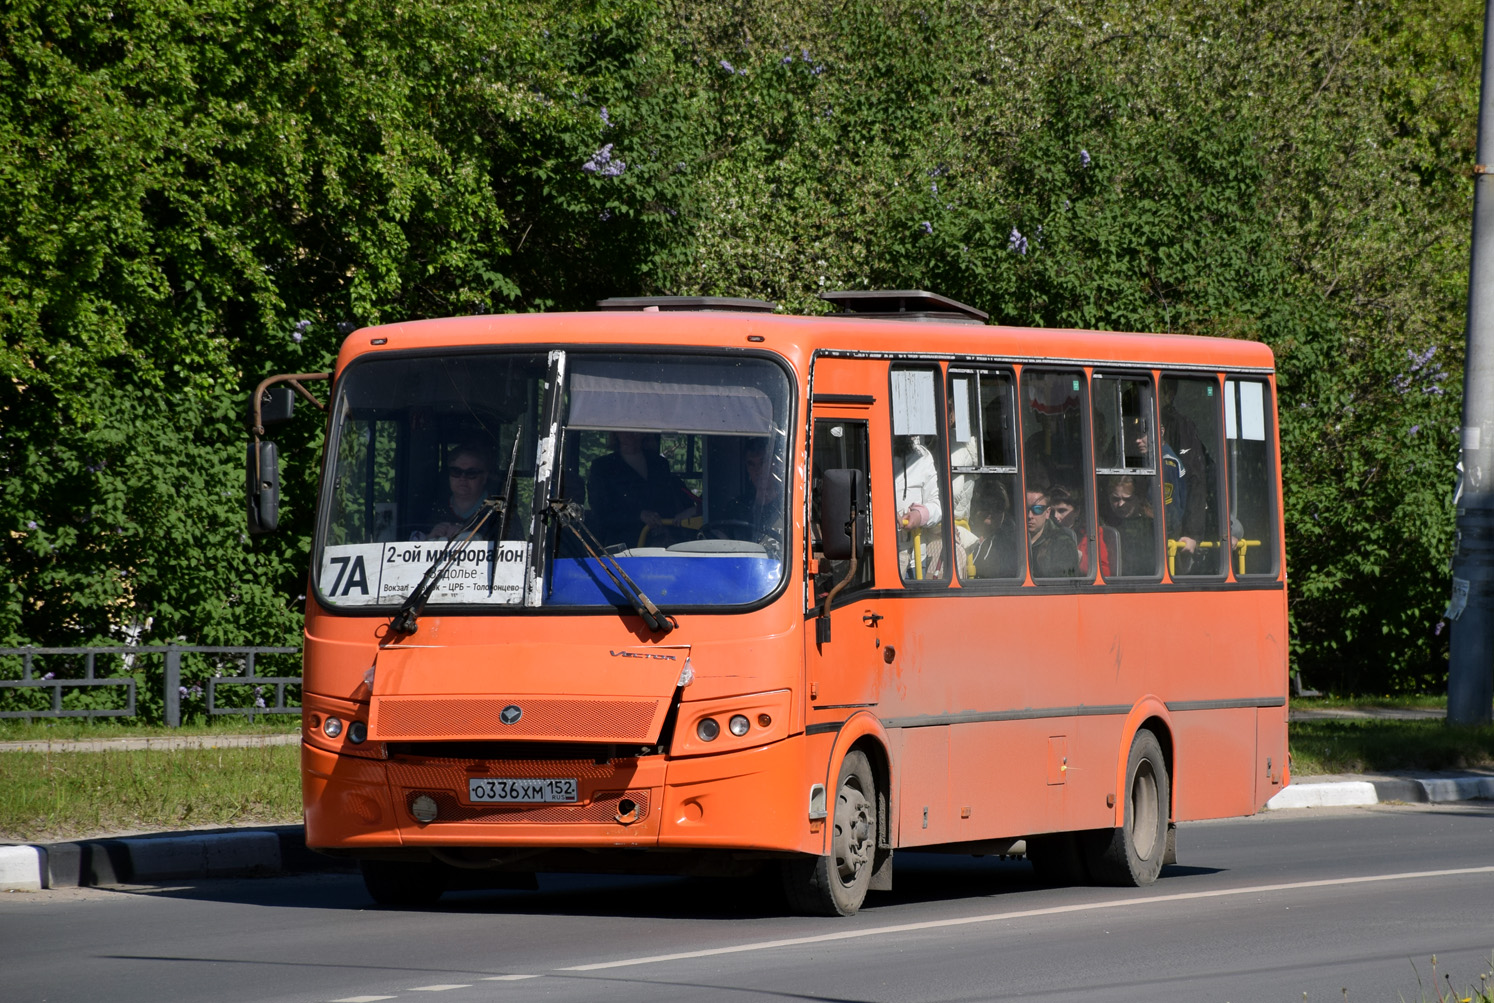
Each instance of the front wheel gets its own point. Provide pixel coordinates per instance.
(1132, 855)
(836, 884)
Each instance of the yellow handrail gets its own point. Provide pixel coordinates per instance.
(1173, 546)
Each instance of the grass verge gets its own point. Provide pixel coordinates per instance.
(1378, 746)
(51, 796)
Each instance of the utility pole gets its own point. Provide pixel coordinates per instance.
(1470, 672)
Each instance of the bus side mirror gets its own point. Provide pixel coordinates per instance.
(276, 406)
(262, 484)
(842, 514)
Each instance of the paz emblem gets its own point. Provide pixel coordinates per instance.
(511, 714)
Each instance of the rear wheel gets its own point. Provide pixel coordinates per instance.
(403, 882)
(1132, 855)
(836, 884)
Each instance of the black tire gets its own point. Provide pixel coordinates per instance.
(1132, 855)
(836, 884)
(403, 882)
(1058, 858)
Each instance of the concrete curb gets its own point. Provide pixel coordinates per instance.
(1380, 790)
(167, 857)
(282, 849)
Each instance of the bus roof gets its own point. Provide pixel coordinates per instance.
(799, 337)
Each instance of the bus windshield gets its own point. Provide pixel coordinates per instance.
(671, 469)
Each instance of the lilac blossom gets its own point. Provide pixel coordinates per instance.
(602, 164)
(1415, 429)
(50, 675)
(30, 523)
(1016, 242)
(1083, 158)
(934, 187)
(1421, 369)
(606, 120)
(728, 67)
(927, 227)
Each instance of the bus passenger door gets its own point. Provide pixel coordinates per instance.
(844, 648)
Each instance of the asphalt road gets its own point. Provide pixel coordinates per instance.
(1267, 908)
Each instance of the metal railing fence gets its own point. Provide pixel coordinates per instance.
(72, 684)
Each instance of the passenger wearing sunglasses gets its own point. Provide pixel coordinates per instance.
(467, 470)
(1053, 551)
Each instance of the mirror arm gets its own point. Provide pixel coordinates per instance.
(257, 426)
(822, 622)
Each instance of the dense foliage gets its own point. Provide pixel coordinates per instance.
(201, 192)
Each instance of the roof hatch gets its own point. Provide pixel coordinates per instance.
(658, 304)
(903, 304)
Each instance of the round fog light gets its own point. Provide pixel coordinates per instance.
(423, 808)
(333, 727)
(707, 729)
(357, 732)
(738, 725)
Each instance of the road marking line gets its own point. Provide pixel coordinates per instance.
(438, 989)
(508, 978)
(996, 917)
(363, 999)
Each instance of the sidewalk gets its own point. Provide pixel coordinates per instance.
(167, 743)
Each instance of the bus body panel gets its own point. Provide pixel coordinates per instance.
(989, 712)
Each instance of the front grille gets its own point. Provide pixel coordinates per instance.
(597, 720)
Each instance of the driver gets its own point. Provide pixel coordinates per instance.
(467, 470)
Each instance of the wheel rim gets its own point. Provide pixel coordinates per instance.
(1144, 810)
(853, 834)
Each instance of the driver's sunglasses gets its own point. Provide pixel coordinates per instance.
(1037, 509)
(466, 473)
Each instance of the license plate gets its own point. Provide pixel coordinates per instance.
(550, 790)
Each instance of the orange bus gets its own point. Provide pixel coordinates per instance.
(687, 585)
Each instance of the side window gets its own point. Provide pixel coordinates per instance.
(918, 502)
(1127, 459)
(840, 444)
(987, 528)
(1192, 515)
(1053, 466)
(1252, 476)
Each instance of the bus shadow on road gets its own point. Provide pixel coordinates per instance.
(919, 878)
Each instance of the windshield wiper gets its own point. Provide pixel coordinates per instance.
(569, 514)
(406, 619)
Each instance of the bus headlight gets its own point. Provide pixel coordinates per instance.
(738, 725)
(332, 727)
(357, 732)
(707, 729)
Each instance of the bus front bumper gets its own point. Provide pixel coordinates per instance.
(751, 800)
